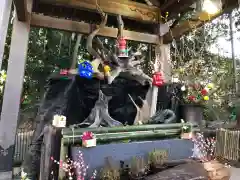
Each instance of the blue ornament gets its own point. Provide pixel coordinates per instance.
(85, 69)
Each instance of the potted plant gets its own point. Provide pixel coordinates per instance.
(138, 168)
(186, 131)
(196, 89)
(156, 159)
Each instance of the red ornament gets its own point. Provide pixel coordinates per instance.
(192, 98)
(122, 45)
(204, 92)
(87, 136)
(158, 79)
(64, 72)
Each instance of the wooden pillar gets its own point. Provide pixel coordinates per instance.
(12, 93)
(166, 62)
(162, 64)
(5, 10)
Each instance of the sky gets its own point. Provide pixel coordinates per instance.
(223, 46)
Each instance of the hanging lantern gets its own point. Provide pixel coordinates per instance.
(158, 79)
(85, 69)
(122, 46)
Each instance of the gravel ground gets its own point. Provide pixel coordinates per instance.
(235, 173)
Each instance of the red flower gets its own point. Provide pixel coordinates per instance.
(192, 98)
(204, 92)
(87, 135)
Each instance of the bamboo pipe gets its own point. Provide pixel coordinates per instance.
(100, 130)
(125, 136)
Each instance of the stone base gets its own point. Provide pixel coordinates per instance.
(194, 170)
(217, 171)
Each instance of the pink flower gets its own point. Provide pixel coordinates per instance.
(87, 135)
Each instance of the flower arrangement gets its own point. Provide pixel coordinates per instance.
(196, 93)
(78, 168)
(204, 148)
(186, 131)
(88, 139)
(197, 84)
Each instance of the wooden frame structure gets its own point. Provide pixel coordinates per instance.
(143, 19)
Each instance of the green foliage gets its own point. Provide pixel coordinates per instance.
(138, 167)
(157, 157)
(110, 170)
(207, 67)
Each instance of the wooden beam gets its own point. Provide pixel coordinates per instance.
(181, 29)
(188, 25)
(174, 7)
(21, 9)
(168, 4)
(5, 9)
(85, 28)
(130, 9)
(12, 94)
(154, 2)
(91, 17)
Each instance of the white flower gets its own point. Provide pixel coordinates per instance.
(183, 88)
(2, 79)
(2, 72)
(24, 176)
(207, 89)
(59, 121)
(175, 79)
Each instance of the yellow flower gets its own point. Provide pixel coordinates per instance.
(210, 85)
(206, 98)
(181, 70)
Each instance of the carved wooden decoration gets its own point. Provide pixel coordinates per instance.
(128, 67)
(99, 115)
(143, 113)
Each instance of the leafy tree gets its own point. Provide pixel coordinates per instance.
(214, 68)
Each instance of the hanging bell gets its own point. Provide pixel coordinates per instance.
(158, 79)
(122, 47)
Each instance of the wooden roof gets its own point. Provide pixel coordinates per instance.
(136, 10)
(137, 14)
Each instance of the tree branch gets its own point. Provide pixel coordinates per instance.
(75, 52)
